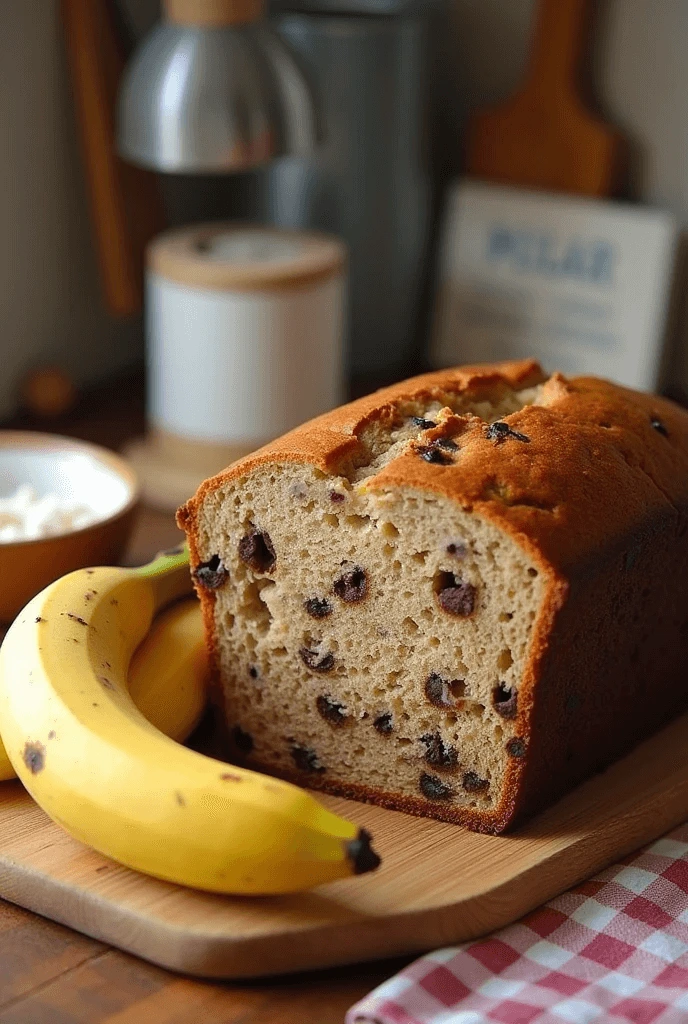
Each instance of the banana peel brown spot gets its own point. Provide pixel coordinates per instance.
(51, 734)
(180, 799)
(107, 683)
(34, 756)
(77, 618)
(230, 777)
(90, 594)
(39, 618)
(114, 601)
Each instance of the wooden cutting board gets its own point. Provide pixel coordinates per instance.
(439, 884)
(544, 136)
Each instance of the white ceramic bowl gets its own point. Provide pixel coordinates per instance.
(81, 472)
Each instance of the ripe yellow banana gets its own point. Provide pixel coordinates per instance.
(167, 675)
(92, 761)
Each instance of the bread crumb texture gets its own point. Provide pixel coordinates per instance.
(378, 601)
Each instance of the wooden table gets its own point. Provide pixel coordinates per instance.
(51, 975)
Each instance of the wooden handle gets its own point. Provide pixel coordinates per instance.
(212, 13)
(543, 136)
(559, 43)
(125, 206)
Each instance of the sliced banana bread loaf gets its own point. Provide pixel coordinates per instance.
(456, 597)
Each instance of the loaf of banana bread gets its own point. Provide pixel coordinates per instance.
(457, 597)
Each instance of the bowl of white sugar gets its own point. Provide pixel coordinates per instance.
(64, 505)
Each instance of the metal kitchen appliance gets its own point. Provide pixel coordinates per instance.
(369, 181)
(213, 90)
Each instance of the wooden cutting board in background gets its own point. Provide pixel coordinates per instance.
(438, 883)
(125, 203)
(544, 136)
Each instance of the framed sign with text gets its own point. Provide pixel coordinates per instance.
(583, 285)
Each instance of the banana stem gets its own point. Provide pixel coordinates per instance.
(168, 575)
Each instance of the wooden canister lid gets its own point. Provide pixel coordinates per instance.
(244, 257)
(212, 13)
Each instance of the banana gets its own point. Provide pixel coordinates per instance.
(98, 768)
(6, 769)
(167, 675)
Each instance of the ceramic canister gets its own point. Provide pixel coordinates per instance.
(244, 337)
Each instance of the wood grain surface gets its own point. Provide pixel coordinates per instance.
(439, 884)
(51, 975)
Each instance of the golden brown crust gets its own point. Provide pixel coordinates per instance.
(600, 465)
(594, 445)
(329, 439)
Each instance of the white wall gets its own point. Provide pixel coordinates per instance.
(50, 306)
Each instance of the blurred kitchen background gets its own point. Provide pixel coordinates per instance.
(393, 82)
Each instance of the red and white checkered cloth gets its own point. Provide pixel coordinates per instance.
(614, 950)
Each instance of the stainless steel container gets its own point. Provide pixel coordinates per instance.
(369, 181)
(198, 99)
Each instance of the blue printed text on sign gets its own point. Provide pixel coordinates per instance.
(578, 259)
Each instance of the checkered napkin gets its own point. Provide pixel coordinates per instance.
(614, 950)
